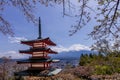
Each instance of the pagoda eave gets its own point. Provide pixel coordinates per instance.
(37, 72)
(20, 62)
(34, 61)
(31, 52)
(38, 68)
(46, 41)
(39, 58)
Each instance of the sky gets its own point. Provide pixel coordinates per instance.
(54, 25)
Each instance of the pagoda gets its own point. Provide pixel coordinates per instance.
(39, 60)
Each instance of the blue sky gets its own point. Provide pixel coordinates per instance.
(54, 25)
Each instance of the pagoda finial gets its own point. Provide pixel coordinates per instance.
(39, 37)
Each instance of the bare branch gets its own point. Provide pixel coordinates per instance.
(113, 19)
(5, 27)
(84, 18)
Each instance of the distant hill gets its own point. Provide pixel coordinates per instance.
(71, 55)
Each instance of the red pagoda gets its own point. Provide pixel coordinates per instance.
(39, 60)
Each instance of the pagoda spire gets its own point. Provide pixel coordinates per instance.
(39, 30)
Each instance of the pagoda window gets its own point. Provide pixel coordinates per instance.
(45, 55)
(39, 65)
(47, 65)
(34, 53)
(39, 54)
(39, 44)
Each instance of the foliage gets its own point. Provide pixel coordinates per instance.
(102, 70)
(102, 64)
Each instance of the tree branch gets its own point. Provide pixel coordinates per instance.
(114, 13)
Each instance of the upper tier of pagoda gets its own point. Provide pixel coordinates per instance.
(39, 42)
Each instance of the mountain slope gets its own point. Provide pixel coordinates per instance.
(71, 54)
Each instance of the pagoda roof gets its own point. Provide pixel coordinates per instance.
(40, 57)
(32, 73)
(31, 50)
(54, 72)
(48, 72)
(37, 61)
(45, 40)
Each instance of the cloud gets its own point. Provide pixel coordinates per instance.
(74, 47)
(16, 39)
(13, 55)
(60, 48)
